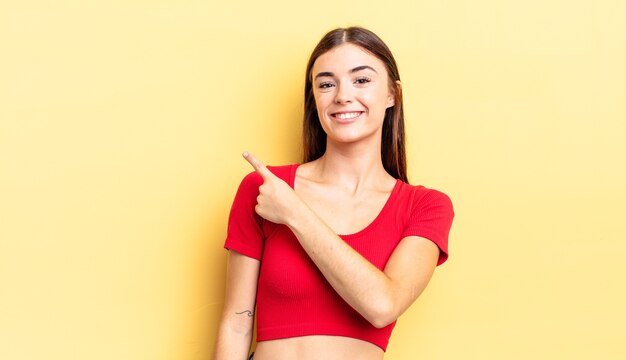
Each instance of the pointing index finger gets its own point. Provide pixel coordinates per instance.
(257, 165)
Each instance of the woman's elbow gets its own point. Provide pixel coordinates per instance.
(383, 314)
(382, 323)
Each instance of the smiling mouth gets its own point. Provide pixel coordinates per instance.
(346, 115)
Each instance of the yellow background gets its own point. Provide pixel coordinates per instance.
(122, 124)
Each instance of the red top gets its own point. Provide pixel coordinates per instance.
(293, 297)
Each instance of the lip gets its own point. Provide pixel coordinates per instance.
(346, 120)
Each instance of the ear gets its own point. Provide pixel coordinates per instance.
(393, 90)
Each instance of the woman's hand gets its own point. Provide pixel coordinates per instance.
(277, 201)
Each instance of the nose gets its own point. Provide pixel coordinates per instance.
(343, 95)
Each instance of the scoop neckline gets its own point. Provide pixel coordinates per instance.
(373, 223)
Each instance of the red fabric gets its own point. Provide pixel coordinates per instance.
(293, 297)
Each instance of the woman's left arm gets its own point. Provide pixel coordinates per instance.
(379, 296)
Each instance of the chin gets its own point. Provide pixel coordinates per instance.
(350, 138)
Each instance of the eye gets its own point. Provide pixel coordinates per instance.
(325, 85)
(362, 80)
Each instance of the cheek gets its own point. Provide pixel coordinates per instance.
(376, 100)
(321, 100)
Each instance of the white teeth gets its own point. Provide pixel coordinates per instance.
(344, 116)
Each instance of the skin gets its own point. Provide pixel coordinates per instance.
(340, 193)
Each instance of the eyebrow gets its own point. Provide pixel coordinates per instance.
(356, 69)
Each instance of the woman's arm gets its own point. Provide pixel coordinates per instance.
(236, 326)
(379, 296)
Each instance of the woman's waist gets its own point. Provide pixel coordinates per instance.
(315, 347)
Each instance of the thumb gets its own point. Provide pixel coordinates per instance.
(257, 165)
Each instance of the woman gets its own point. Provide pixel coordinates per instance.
(320, 295)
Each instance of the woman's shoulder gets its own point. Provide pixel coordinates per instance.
(284, 172)
(422, 195)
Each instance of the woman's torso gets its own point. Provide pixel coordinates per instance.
(346, 214)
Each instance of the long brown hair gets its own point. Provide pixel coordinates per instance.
(393, 152)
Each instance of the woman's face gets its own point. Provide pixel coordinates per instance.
(352, 92)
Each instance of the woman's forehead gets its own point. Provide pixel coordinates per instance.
(345, 57)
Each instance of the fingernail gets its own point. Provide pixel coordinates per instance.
(245, 154)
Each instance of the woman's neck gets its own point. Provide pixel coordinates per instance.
(353, 166)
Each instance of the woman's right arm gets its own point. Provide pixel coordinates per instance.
(236, 325)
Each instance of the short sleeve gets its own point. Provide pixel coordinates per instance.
(245, 226)
(431, 218)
